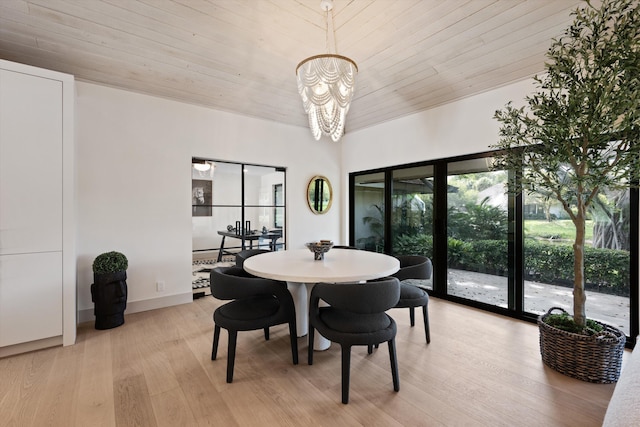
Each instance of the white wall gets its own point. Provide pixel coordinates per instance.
(462, 127)
(134, 184)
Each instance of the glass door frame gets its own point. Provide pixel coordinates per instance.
(242, 205)
(515, 241)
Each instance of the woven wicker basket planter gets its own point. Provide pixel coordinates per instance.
(595, 358)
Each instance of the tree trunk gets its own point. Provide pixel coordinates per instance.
(547, 209)
(579, 297)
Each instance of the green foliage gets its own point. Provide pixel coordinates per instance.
(584, 119)
(580, 131)
(419, 244)
(606, 270)
(488, 256)
(547, 262)
(558, 229)
(110, 262)
(477, 222)
(456, 252)
(566, 323)
(376, 225)
(472, 221)
(405, 220)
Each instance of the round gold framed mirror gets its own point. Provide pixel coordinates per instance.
(319, 194)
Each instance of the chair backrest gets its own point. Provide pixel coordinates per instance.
(374, 296)
(414, 267)
(344, 247)
(227, 283)
(247, 253)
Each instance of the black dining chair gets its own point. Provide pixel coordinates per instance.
(257, 303)
(247, 253)
(355, 316)
(411, 296)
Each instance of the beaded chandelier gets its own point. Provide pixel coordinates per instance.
(326, 84)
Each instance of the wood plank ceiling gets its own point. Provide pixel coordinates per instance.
(240, 55)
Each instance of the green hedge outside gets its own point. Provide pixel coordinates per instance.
(606, 270)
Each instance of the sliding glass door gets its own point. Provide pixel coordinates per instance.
(506, 252)
(477, 231)
(368, 207)
(412, 212)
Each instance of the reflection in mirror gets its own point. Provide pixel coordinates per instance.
(319, 194)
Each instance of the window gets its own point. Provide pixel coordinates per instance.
(242, 207)
(496, 251)
(548, 257)
(477, 232)
(368, 193)
(278, 208)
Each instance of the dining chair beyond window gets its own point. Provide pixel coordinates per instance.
(414, 267)
(355, 316)
(256, 304)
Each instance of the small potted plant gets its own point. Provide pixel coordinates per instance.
(109, 289)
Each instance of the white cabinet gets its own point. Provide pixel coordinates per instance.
(37, 193)
(30, 297)
(30, 163)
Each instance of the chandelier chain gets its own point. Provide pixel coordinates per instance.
(326, 19)
(330, 25)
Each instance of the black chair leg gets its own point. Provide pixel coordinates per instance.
(370, 348)
(231, 354)
(425, 314)
(346, 368)
(266, 334)
(412, 316)
(216, 339)
(394, 364)
(294, 341)
(310, 353)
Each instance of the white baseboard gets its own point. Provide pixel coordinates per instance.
(143, 305)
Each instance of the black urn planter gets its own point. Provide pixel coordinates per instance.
(109, 295)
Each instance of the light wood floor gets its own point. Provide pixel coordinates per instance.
(479, 370)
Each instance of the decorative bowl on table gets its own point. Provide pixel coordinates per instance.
(319, 248)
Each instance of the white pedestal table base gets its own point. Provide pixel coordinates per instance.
(301, 293)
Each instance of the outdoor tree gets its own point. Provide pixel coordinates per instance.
(611, 226)
(579, 132)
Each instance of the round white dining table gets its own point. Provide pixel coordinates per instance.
(298, 268)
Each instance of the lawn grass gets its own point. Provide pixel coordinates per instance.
(561, 229)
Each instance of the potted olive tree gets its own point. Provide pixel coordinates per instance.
(577, 136)
(109, 289)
